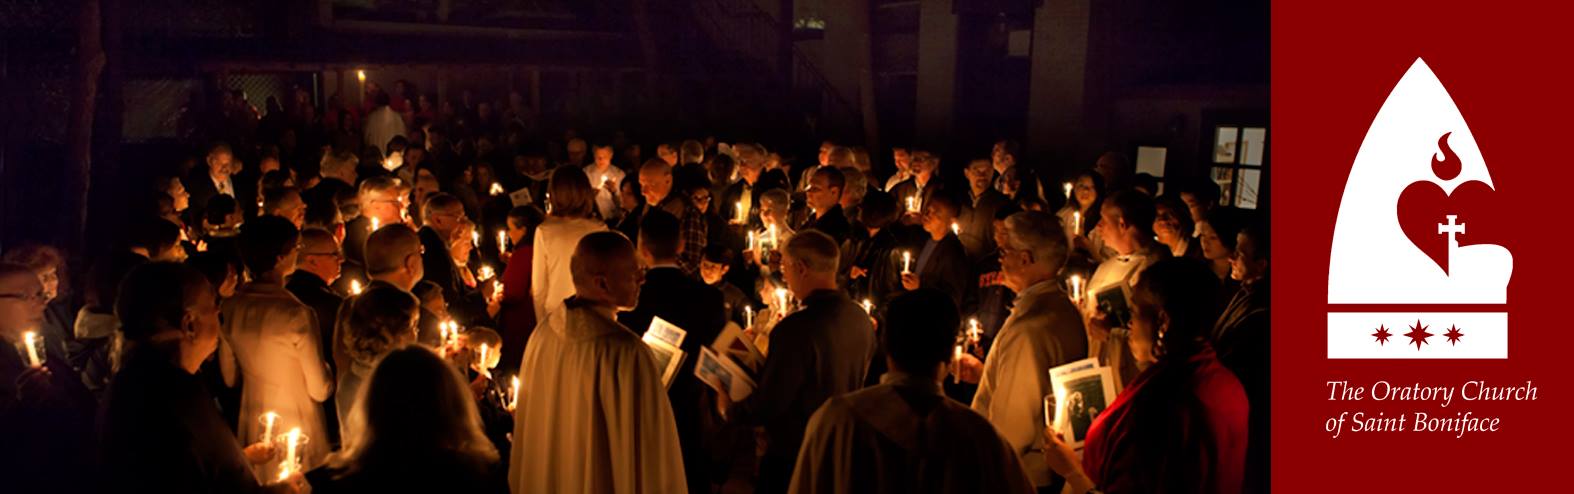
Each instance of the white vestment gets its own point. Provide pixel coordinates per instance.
(593, 414)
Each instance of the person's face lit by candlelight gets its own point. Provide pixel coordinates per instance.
(712, 272)
(1213, 247)
(701, 198)
(667, 153)
(177, 191)
(628, 195)
(655, 182)
(903, 160)
(22, 299)
(1249, 262)
(825, 152)
(822, 195)
(1167, 224)
(603, 156)
(979, 175)
(1085, 192)
(221, 163)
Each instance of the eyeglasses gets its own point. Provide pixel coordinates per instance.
(26, 297)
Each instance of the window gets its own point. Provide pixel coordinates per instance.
(1239, 156)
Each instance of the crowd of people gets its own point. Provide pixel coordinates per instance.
(405, 296)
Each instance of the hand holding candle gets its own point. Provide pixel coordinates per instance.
(1076, 289)
(292, 461)
(907, 262)
(513, 395)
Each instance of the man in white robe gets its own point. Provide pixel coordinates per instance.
(905, 435)
(592, 414)
(1044, 330)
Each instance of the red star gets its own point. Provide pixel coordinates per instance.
(1453, 335)
(1381, 334)
(1418, 334)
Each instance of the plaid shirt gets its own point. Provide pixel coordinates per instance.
(695, 233)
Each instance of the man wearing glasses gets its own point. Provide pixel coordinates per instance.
(384, 202)
(316, 268)
(45, 411)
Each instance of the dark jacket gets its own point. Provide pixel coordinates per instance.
(464, 302)
(820, 351)
(947, 270)
(311, 290)
(697, 308)
(161, 433)
(832, 223)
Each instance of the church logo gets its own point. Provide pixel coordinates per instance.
(1414, 270)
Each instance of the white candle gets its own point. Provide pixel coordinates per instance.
(751, 239)
(376, 224)
(497, 189)
(502, 242)
(912, 204)
(1067, 187)
(1076, 222)
(973, 332)
(868, 307)
(781, 302)
(268, 418)
(742, 215)
(772, 231)
(475, 238)
(956, 360)
(907, 261)
(483, 360)
(513, 396)
(1076, 289)
(485, 273)
(292, 443)
(956, 229)
(29, 338)
(748, 316)
(355, 287)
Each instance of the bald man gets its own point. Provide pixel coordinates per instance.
(593, 414)
(821, 350)
(655, 182)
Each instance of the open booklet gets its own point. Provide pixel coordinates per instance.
(665, 341)
(1082, 390)
(731, 364)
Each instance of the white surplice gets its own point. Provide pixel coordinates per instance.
(593, 414)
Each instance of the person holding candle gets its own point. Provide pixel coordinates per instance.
(924, 186)
(1180, 425)
(422, 434)
(605, 179)
(1081, 215)
(593, 414)
(1127, 229)
(159, 430)
(316, 267)
(1174, 228)
(370, 325)
(713, 271)
(872, 259)
(272, 339)
(516, 314)
(940, 261)
(905, 435)
(446, 230)
(490, 389)
(383, 201)
(819, 351)
(46, 413)
(50, 266)
(1044, 330)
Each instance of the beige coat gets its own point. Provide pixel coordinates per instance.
(550, 279)
(271, 339)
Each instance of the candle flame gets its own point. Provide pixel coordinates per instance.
(497, 189)
(513, 399)
(360, 75)
(355, 287)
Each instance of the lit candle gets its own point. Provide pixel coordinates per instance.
(868, 307)
(751, 239)
(268, 418)
(502, 242)
(355, 287)
(1076, 222)
(376, 224)
(956, 229)
(748, 316)
(292, 443)
(513, 395)
(973, 332)
(912, 204)
(1067, 187)
(1076, 289)
(482, 361)
(781, 302)
(30, 338)
(742, 215)
(772, 231)
(485, 273)
(360, 75)
(497, 189)
(907, 261)
(956, 360)
(475, 238)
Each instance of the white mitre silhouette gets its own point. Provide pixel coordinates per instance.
(1372, 261)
